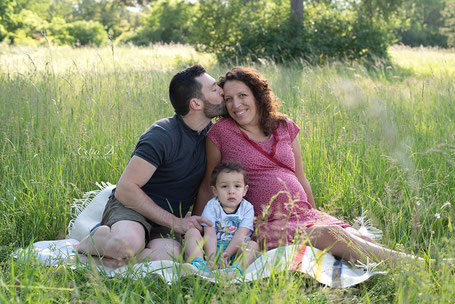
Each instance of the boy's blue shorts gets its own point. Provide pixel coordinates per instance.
(221, 247)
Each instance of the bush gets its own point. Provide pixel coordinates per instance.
(21, 37)
(335, 33)
(265, 29)
(168, 21)
(423, 20)
(87, 33)
(449, 23)
(418, 35)
(142, 36)
(58, 31)
(252, 30)
(3, 33)
(30, 24)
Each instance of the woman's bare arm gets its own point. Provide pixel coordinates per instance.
(300, 173)
(205, 192)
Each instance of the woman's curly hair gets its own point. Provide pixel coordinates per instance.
(266, 102)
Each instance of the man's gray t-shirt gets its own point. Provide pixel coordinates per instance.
(178, 153)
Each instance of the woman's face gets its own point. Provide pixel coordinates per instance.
(240, 103)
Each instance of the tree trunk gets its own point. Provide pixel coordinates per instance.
(297, 10)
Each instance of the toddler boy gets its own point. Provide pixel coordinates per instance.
(232, 216)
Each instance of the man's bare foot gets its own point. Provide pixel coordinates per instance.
(100, 261)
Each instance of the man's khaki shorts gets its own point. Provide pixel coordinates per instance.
(115, 211)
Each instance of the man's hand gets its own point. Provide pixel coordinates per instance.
(182, 225)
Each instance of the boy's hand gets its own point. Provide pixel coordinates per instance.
(226, 258)
(211, 264)
(220, 262)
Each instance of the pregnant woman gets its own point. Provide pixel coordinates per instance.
(265, 142)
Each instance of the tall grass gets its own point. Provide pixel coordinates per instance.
(378, 138)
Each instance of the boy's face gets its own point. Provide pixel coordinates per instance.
(230, 189)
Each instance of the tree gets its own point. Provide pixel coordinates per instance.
(7, 22)
(87, 33)
(259, 30)
(168, 21)
(38, 7)
(112, 14)
(58, 31)
(422, 20)
(61, 9)
(380, 8)
(297, 10)
(30, 23)
(449, 22)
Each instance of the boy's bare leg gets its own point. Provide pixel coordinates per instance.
(193, 244)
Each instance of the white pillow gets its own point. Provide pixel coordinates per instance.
(88, 211)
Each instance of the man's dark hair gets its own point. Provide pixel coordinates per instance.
(183, 87)
(228, 167)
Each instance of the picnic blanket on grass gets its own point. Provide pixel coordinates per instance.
(87, 213)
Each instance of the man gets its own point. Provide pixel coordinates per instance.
(145, 216)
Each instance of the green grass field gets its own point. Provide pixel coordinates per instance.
(379, 138)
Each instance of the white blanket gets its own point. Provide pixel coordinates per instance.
(87, 213)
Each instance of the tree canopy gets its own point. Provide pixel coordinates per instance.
(236, 29)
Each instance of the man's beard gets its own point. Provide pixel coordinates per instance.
(213, 110)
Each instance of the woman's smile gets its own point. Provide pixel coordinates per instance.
(240, 103)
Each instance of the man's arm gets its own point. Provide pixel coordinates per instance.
(205, 192)
(129, 193)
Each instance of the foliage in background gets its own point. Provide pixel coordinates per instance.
(449, 22)
(113, 15)
(168, 21)
(6, 18)
(422, 23)
(265, 29)
(87, 32)
(236, 30)
(28, 24)
(64, 21)
(374, 8)
(58, 32)
(242, 34)
(334, 32)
